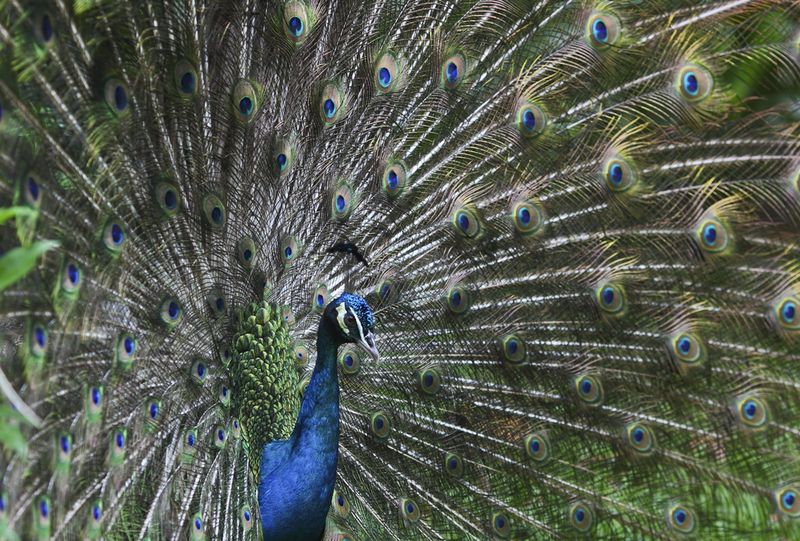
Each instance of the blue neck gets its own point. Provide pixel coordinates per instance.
(298, 475)
(318, 420)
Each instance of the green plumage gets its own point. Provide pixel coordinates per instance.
(265, 381)
(580, 221)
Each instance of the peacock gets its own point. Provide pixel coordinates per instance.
(396, 270)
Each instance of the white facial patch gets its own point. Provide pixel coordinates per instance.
(341, 311)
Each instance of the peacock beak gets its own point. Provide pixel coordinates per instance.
(367, 343)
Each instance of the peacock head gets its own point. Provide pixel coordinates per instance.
(352, 319)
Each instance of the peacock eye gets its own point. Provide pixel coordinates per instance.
(245, 101)
(694, 83)
(185, 78)
(581, 516)
(681, 518)
(115, 93)
(752, 412)
(168, 198)
(603, 30)
(44, 28)
(453, 71)
(788, 499)
(342, 201)
(214, 212)
(530, 119)
(394, 179)
(386, 73)
(298, 20)
(528, 217)
(537, 446)
(619, 176)
(501, 525)
(640, 437)
(331, 104)
(349, 320)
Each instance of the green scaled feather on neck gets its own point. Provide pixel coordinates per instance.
(265, 380)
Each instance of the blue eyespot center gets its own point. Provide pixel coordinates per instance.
(512, 346)
(247, 516)
(580, 514)
(524, 216)
(44, 509)
(427, 380)
(170, 199)
(216, 215)
(600, 31)
(198, 524)
(187, 83)
(340, 203)
(455, 298)
(392, 180)
(96, 512)
(710, 234)
(451, 72)
(452, 463)
(379, 423)
(789, 498)
(409, 508)
(296, 26)
(535, 445)
(120, 98)
(529, 120)
(684, 345)
(153, 410)
(220, 304)
(463, 221)
(615, 174)
(287, 252)
(246, 106)
(329, 107)
(201, 370)
(281, 161)
(384, 77)
(789, 311)
(190, 440)
(117, 235)
(500, 522)
(64, 441)
(608, 295)
(320, 300)
(40, 336)
(750, 409)
(73, 274)
(586, 386)
(247, 254)
(680, 516)
(173, 310)
(690, 83)
(348, 360)
(33, 189)
(95, 396)
(129, 345)
(47, 28)
(221, 435)
(120, 440)
(638, 435)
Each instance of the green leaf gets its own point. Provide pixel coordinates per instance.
(7, 213)
(18, 262)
